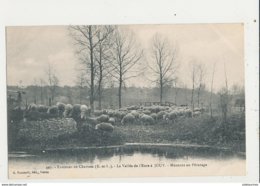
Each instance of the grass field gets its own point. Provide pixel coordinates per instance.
(201, 130)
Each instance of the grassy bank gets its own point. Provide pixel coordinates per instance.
(201, 130)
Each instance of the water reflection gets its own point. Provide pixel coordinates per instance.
(90, 155)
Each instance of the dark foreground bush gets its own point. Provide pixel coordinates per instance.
(39, 132)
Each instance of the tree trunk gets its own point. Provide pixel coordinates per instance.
(100, 79)
(199, 97)
(92, 71)
(120, 93)
(161, 88)
(41, 96)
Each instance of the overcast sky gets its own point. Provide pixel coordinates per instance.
(30, 49)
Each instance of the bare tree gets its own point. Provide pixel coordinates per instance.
(127, 54)
(193, 79)
(42, 83)
(103, 57)
(81, 83)
(35, 86)
(176, 89)
(201, 75)
(224, 99)
(211, 89)
(164, 64)
(86, 38)
(53, 82)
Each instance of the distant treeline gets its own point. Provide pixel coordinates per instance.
(131, 96)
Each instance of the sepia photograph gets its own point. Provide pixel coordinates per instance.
(144, 100)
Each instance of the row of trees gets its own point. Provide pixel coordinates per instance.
(110, 52)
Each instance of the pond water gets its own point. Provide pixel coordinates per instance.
(132, 160)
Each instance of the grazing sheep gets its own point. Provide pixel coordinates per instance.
(32, 107)
(160, 115)
(98, 112)
(92, 121)
(111, 113)
(67, 111)
(128, 119)
(75, 112)
(61, 108)
(84, 112)
(146, 112)
(154, 116)
(135, 113)
(172, 115)
(196, 113)
(119, 114)
(53, 110)
(134, 107)
(147, 120)
(103, 118)
(104, 127)
(112, 121)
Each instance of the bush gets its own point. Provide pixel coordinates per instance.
(40, 131)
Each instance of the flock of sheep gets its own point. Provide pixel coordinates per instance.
(106, 119)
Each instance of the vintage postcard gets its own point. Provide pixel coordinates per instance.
(92, 101)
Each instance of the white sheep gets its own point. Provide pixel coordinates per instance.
(84, 111)
(112, 120)
(67, 111)
(128, 119)
(103, 118)
(135, 113)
